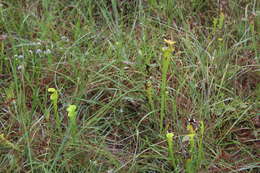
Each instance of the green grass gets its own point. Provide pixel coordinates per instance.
(106, 58)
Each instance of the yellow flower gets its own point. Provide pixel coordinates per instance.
(170, 42)
(190, 129)
(169, 136)
(71, 111)
(54, 95)
(191, 135)
(52, 90)
(220, 39)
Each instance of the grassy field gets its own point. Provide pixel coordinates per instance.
(130, 86)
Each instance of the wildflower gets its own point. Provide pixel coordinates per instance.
(168, 50)
(169, 42)
(220, 39)
(71, 111)
(72, 117)
(48, 51)
(38, 51)
(54, 95)
(164, 48)
(190, 129)
(169, 137)
(64, 38)
(189, 137)
(20, 67)
(54, 98)
(19, 56)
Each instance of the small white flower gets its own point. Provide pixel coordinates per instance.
(164, 48)
(20, 67)
(20, 57)
(48, 51)
(128, 63)
(64, 38)
(110, 171)
(38, 51)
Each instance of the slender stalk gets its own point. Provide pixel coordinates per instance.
(190, 163)
(200, 147)
(150, 95)
(54, 98)
(167, 53)
(172, 159)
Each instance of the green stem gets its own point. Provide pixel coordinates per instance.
(173, 161)
(56, 114)
(165, 66)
